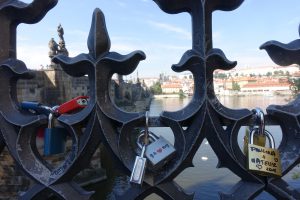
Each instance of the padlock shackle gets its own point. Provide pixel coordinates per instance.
(50, 120)
(146, 134)
(266, 133)
(143, 151)
(151, 135)
(260, 120)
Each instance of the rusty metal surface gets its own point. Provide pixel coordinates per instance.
(204, 116)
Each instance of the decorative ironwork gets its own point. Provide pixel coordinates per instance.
(204, 116)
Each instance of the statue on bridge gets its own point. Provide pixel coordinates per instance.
(60, 48)
(53, 46)
(62, 45)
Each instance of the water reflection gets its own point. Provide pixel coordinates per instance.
(233, 102)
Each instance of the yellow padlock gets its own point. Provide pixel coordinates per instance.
(262, 160)
(259, 139)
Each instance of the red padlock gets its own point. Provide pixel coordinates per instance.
(73, 105)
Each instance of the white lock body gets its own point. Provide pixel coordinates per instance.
(159, 152)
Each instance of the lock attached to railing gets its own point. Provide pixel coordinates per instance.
(73, 105)
(159, 151)
(35, 107)
(139, 167)
(262, 160)
(54, 138)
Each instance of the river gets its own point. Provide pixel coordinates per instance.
(205, 180)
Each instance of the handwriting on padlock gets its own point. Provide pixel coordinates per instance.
(263, 150)
(264, 159)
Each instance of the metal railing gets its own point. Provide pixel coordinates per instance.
(204, 116)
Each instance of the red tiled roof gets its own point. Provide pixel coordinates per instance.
(171, 86)
(266, 84)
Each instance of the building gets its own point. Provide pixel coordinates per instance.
(259, 71)
(171, 88)
(267, 88)
(149, 81)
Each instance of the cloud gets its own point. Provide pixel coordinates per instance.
(22, 38)
(253, 60)
(33, 56)
(171, 28)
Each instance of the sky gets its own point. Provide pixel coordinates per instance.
(141, 25)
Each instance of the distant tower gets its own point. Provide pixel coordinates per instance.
(137, 77)
(120, 79)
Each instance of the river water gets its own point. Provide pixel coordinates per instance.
(205, 180)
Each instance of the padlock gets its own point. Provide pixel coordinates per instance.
(35, 107)
(73, 105)
(159, 151)
(139, 168)
(54, 138)
(259, 139)
(262, 160)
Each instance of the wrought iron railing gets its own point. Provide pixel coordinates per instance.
(204, 116)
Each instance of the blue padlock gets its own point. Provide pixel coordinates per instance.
(54, 138)
(35, 107)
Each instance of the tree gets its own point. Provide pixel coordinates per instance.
(181, 94)
(269, 74)
(156, 88)
(287, 73)
(280, 72)
(236, 86)
(295, 88)
(221, 76)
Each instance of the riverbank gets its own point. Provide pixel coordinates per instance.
(161, 96)
(138, 106)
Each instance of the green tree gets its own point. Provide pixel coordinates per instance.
(269, 74)
(221, 76)
(156, 88)
(236, 86)
(280, 72)
(295, 88)
(181, 94)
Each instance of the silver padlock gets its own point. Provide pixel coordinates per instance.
(139, 167)
(159, 151)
